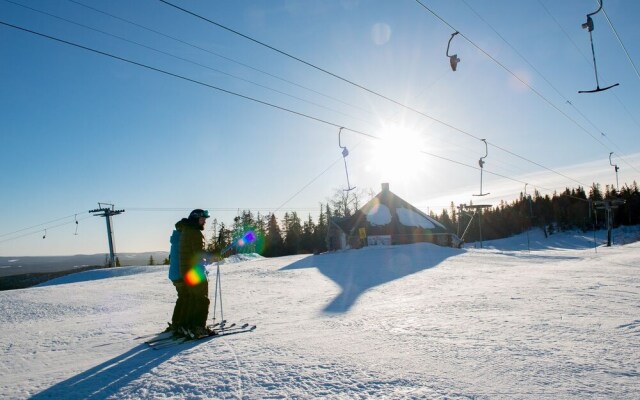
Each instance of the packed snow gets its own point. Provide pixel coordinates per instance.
(525, 318)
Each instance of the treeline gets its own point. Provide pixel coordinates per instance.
(569, 210)
(269, 237)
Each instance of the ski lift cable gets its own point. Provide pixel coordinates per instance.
(306, 185)
(369, 90)
(257, 100)
(201, 65)
(39, 225)
(540, 95)
(626, 52)
(274, 105)
(577, 48)
(211, 86)
(514, 49)
(220, 56)
(546, 80)
(536, 70)
(575, 45)
(48, 228)
(374, 92)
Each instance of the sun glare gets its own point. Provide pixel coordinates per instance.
(397, 155)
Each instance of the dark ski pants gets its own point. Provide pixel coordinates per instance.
(179, 311)
(192, 306)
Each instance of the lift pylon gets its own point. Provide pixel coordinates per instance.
(107, 213)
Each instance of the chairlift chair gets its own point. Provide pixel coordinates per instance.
(453, 59)
(481, 163)
(345, 153)
(590, 27)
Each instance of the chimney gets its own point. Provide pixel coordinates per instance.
(385, 187)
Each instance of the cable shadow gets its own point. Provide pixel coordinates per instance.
(357, 271)
(106, 379)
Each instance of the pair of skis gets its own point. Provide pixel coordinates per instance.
(167, 339)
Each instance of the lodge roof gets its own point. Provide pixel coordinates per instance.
(387, 213)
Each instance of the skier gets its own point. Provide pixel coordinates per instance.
(188, 274)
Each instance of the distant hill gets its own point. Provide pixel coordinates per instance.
(21, 272)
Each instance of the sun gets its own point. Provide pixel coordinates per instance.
(397, 155)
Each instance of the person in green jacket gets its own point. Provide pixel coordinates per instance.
(192, 306)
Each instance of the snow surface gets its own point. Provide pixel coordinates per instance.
(417, 321)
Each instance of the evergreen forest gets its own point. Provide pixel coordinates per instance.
(572, 209)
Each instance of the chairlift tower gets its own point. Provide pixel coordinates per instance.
(609, 205)
(107, 213)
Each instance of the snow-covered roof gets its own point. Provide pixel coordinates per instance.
(388, 208)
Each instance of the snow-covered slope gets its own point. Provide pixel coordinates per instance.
(414, 321)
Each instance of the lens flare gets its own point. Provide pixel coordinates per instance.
(251, 241)
(249, 237)
(195, 276)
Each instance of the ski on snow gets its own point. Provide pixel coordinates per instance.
(168, 335)
(217, 332)
(177, 341)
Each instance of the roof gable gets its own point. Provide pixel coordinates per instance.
(386, 207)
(389, 213)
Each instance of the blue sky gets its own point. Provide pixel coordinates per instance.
(80, 128)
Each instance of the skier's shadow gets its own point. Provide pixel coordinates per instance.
(106, 379)
(357, 271)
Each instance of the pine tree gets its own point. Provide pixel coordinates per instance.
(293, 233)
(306, 241)
(320, 232)
(211, 245)
(594, 192)
(223, 240)
(151, 260)
(241, 225)
(273, 241)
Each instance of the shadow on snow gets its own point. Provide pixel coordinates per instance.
(108, 378)
(357, 271)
